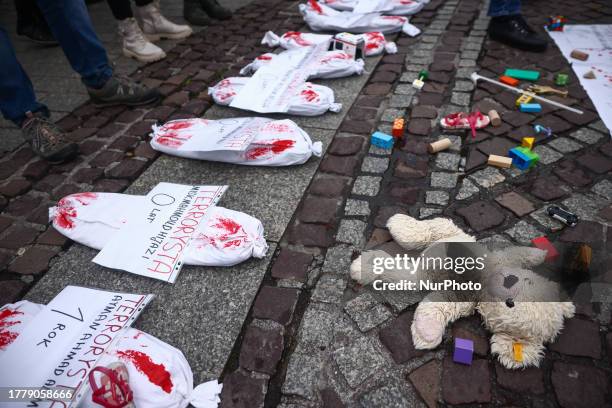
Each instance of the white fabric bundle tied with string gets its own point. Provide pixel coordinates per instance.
(223, 238)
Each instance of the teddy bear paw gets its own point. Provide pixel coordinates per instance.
(426, 332)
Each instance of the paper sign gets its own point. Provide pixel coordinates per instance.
(153, 242)
(271, 88)
(234, 134)
(63, 342)
(372, 6)
(595, 40)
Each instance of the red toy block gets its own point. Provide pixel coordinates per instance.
(398, 128)
(509, 80)
(544, 244)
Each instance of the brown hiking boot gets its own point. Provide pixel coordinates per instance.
(47, 139)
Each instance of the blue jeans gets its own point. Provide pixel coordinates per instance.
(71, 26)
(498, 8)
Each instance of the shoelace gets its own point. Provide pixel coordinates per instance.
(126, 84)
(520, 26)
(42, 133)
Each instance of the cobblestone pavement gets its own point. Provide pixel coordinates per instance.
(317, 339)
(313, 338)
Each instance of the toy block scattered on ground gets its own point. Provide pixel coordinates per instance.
(494, 117)
(499, 161)
(523, 99)
(517, 349)
(398, 128)
(528, 142)
(585, 254)
(440, 145)
(589, 75)
(420, 82)
(547, 132)
(464, 351)
(523, 158)
(579, 55)
(566, 217)
(556, 23)
(382, 140)
(545, 245)
(522, 74)
(530, 107)
(508, 80)
(561, 79)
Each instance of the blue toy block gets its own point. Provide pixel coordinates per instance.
(382, 140)
(523, 158)
(530, 107)
(464, 351)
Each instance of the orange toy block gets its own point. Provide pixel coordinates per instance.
(517, 348)
(508, 80)
(544, 244)
(398, 128)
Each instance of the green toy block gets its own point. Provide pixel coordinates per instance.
(531, 155)
(561, 79)
(423, 75)
(522, 74)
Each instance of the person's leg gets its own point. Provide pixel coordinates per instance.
(16, 92)
(71, 26)
(499, 8)
(18, 104)
(31, 24)
(121, 9)
(195, 11)
(508, 26)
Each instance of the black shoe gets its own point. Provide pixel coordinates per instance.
(46, 139)
(514, 31)
(213, 9)
(194, 14)
(38, 34)
(120, 90)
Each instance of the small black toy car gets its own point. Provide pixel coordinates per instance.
(562, 215)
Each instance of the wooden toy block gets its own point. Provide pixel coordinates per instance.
(530, 107)
(418, 84)
(495, 119)
(440, 145)
(585, 254)
(464, 351)
(589, 75)
(499, 161)
(545, 245)
(508, 80)
(517, 349)
(523, 158)
(579, 55)
(398, 128)
(382, 140)
(528, 142)
(561, 79)
(522, 74)
(523, 99)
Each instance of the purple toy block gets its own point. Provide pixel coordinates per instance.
(464, 350)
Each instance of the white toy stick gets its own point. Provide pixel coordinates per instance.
(475, 77)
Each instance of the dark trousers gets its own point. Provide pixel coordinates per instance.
(122, 9)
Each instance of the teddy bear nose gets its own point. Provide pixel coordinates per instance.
(509, 281)
(510, 303)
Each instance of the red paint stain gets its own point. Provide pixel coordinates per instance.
(277, 127)
(315, 6)
(228, 225)
(374, 40)
(395, 18)
(310, 95)
(7, 336)
(233, 235)
(224, 90)
(265, 57)
(297, 38)
(66, 211)
(178, 125)
(271, 147)
(335, 56)
(156, 373)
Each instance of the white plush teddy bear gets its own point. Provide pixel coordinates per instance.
(510, 282)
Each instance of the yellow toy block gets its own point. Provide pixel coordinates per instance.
(523, 99)
(528, 142)
(518, 352)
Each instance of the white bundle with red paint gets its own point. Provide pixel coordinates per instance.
(320, 17)
(272, 142)
(223, 238)
(332, 64)
(13, 318)
(309, 100)
(159, 374)
(393, 7)
(375, 42)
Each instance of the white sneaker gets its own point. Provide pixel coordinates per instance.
(136, 45)
(155, 26)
